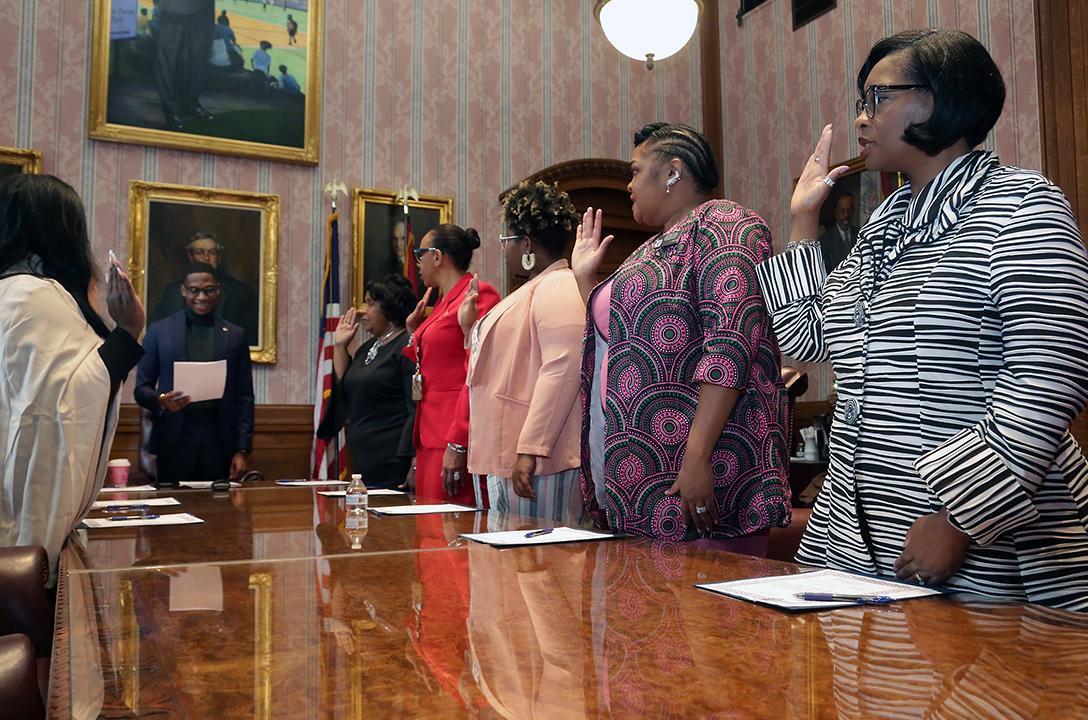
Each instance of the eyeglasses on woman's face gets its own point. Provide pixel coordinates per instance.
(420, 252)
(505, 240)
(875, 94)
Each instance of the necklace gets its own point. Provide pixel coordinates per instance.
(373, 351)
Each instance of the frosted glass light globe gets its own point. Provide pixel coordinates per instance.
(648, 29)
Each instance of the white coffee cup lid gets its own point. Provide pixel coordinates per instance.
(122, 462)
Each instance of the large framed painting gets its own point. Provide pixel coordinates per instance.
(16, 161)
(380, 236)
(239, 78)
(853, 199)
(235, 232)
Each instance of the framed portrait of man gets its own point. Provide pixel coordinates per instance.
(238, 78)
(382, 234)
(853, 199)
(173, 226)
(16, 161)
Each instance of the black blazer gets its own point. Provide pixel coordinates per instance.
(164, 345)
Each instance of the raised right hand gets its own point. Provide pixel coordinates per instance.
(346, 328)
(811, 190)
(469, 311)
(123, 303)
(174, 400)
(413, 321)
(589, 248)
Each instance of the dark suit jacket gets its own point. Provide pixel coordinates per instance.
(189, 7)
(164, 345)
(834, 248)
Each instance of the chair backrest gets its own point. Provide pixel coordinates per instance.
(20, 696)
(147, 462)
(25, 605)
(796, 383)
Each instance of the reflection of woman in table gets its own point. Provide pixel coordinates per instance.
(371, 392)
(685, 412)
(956, 327)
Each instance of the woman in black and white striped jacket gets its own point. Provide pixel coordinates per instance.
(958, 331)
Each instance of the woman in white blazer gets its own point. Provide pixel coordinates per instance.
(958, 331)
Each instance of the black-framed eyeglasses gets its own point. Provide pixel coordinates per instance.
(420, 252)
(207, 291)
(504, 240)
(873, 96)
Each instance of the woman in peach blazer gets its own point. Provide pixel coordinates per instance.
(523, 430)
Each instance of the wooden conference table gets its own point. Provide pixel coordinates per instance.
(265, 611)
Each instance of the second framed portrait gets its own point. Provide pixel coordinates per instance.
(16, 161)
(381, 235)
(173, 226)
(239, 78)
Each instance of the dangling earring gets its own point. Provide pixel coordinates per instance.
(528, 260)
(672, 180)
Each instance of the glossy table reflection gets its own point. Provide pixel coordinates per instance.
(412, 626)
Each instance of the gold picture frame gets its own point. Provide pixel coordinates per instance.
(162, 221)
(375, 213)
(259, 115)
(15, 161)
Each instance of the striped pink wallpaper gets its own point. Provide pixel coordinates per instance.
(780, 87)
(455, 97)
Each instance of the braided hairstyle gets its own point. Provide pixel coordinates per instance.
(684, 142)
(543, 212)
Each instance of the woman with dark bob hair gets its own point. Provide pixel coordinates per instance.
(440, 355)
(685, 412)
(523, 428)
(60, 363)
(372, 389)
(958, 331)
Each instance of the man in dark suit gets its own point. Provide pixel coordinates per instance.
(184, 40)
(237, 301)
(836, 243)
(206, 440)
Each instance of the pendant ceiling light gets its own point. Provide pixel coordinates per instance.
(648, 29)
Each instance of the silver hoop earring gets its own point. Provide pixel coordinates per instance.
(528, 260)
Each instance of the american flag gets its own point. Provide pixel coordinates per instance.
(411, 270)
(324, 462)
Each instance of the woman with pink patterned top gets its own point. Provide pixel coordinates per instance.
(685, 414)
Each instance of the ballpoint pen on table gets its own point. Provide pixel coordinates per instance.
(125, 508)
(538, 533)
(133, 517)
(839, 597)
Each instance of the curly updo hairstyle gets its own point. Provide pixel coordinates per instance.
(543, 212)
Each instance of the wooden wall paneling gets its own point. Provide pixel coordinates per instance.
(710, 67)
(282, 439)
(1061, 29)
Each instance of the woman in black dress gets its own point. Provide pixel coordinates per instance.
(372, 390)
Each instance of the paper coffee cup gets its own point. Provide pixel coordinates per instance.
(117, 472)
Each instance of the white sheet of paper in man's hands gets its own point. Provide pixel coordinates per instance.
(201, 380)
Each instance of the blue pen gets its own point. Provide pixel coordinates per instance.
(126, 508)
(538, 533)
(837, 597)
(133, 517)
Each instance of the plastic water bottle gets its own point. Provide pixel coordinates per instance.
(355, 496)
(356, 527)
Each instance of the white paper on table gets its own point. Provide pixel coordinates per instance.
(129, 488)
(203, 484)
(201, 380)
(511, 538)
(306, 483)
(197, 587)
(423, 509)
(781, 591)
(379, 492)
(150, 502)
(171, 519)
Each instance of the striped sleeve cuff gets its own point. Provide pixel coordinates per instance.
(983, 498)
(791, 276)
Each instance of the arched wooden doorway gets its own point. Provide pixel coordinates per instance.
(598, 183)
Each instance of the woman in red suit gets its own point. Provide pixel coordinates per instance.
(438, 348)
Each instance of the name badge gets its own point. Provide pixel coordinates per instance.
(417, 386)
